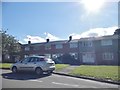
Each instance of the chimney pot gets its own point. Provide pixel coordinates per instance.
(29, 42)
(47, 40)
(70, 38)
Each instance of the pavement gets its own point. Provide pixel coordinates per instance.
(67, 70)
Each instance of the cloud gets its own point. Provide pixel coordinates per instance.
(38, 39)
(95, 32)
(51, 37)
(34, 39)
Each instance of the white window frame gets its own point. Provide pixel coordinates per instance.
(75, 54)
(108, 56)
(106, 42)
(59, 46)
(47, 55)
(36, 48)
(56, 55)
(27, 48)
(73, 45)
(86, 57)
(87, 43)
(47, 46)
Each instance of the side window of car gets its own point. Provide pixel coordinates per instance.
(36, 59)
(40, 59)
(32, 59)
(26, 60)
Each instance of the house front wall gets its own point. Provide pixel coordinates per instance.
(108, 54)
(95, 52)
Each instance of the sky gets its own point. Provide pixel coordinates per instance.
(37, 21)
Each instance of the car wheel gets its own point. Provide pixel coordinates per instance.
(38, 71)
(14, 69)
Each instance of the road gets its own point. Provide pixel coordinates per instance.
(30, 80)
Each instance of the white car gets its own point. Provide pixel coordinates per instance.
(38, 64)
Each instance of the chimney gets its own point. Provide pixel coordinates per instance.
(47, 40)
(70, 38)
(29, 42)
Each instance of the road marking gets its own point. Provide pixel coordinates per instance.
(36, 80)
(65, 84)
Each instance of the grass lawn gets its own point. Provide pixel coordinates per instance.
(101, 72)
(5, 65)
(60, 66)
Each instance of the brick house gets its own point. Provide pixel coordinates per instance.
(52, 49)
(96, 51)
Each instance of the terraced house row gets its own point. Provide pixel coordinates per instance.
(94, 50)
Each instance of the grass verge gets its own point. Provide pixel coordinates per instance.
(100, 72)
(5, 65)
(60, 66)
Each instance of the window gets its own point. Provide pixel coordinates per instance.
(88, 57)
(54, 56)
(25, 60)
(47, 46)
(87, 44)
(74, 55)
(59, 46)
(32, 59)
(48, 55)
(36, 48)
(106, 42)
(27, 48)
(26, 56)
(73, 45)
(108, 56)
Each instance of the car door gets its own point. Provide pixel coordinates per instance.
(23, 65)
(31, 64)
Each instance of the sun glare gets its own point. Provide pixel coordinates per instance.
(93, 5)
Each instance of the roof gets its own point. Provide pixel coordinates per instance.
(37, 56)
(100, 38)
(76, 40)
(55, 42)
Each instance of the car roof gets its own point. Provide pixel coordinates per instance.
(38, 56)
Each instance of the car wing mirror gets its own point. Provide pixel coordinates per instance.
(21, 61)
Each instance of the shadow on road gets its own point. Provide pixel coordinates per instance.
(22, 76)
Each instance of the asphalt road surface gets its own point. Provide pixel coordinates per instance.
(30, 80)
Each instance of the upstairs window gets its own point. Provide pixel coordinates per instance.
(36, 48)
(59, 46)
(73, 45)
(27, 48)
(106, 42)
(87, 44)
(47, 46)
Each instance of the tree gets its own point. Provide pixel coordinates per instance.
(10, 46)
(117, 31)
